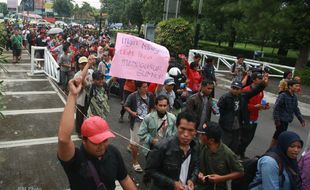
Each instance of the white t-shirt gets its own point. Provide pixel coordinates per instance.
(89, 79)
(184, 169)
(25, 33)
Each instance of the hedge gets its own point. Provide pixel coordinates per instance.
(305, 75)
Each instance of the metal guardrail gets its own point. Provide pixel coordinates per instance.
(228, 60)
(50, 66)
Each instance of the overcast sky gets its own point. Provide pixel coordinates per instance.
(93, 3)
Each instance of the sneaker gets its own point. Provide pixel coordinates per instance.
(137, 168)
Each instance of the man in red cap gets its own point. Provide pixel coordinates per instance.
(96, 164)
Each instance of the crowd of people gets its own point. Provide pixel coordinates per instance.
(170, 122)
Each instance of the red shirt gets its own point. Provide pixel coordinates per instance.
(74, 51)
(152, 88)
(194, 77)
(253, 111)
(111, 52)
(130, 86)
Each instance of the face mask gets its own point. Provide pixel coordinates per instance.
(161, 115)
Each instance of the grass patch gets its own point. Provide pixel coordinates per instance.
(253, 47)
(269, 54)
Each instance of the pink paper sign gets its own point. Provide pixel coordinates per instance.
(139, 59)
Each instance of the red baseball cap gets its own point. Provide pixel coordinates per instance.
(96, 129)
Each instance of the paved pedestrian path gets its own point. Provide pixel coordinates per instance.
(33, 106)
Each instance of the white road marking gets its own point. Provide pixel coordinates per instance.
(20, 63)
(15, 71)
(57, 90)
(32, 111)
(31, 142)
(29, 93)
(23, 80)
(11, 55)
(17, 64)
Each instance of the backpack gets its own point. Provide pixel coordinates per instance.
(234, 67)
(250, 169)
(91, 95)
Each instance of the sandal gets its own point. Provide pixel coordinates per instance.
(128, 148)
(137, 167)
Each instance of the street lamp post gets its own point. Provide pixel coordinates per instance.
(16, 12)
(169, 7)
(100, 22)
(197, 29)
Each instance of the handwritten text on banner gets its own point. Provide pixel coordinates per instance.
(139, 59)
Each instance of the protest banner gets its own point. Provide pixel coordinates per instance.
(139, 59)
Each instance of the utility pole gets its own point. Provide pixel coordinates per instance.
(177, 8)
(16, 12)
(100, 24)
(197, 29)
(169, 7)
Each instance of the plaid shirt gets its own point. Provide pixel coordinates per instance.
(286, 105)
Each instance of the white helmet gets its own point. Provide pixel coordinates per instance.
(174, 71)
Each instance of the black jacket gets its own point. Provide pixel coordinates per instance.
(164, 164)
(209, 72)
(227, 107)
(195, 105)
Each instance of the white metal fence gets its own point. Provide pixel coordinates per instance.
(224, 62)
(46, 65)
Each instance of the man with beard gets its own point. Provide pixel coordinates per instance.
(157, 125)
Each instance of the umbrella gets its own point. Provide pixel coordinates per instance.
(55, 31)
(33, 22)
(90, 26)
(61, 23)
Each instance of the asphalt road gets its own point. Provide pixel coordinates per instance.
(28, 134)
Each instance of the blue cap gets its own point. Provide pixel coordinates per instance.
(169, 81)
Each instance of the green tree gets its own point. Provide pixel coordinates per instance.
(284, 21)
(152, 11)
(64, 8)
(298, 15)
(87, 12)
(4, 8)
(175, 34)
(222, 15)
(133, 13)
(76, 11)
(115, 10)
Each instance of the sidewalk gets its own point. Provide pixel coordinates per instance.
(30, 101)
